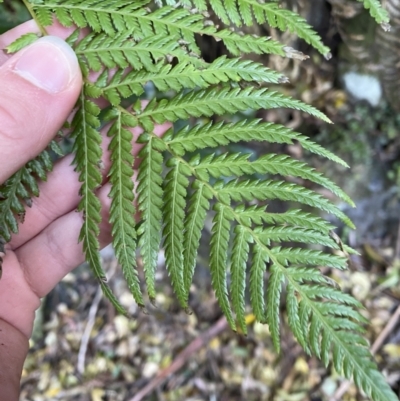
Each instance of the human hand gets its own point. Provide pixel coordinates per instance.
(38, 89)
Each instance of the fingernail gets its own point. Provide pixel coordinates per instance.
(49, 64)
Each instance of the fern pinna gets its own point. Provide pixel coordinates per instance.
(132, 43)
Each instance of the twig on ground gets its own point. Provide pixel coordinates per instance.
(90, 323)
(182, 358)
(386, 331)
(344, 387)
(88, 329)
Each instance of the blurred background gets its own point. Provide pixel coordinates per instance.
(81, 350)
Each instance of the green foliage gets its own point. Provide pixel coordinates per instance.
(122, 210)
(245, 11)
(87, 159)
(131, 45)
(150, 195)
(17, 192)
(185, 75)
(376, 10)
(22, 42)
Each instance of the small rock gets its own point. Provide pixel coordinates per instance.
(363, 87)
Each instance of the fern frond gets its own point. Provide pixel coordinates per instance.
(196, 74)
(257, 291)
(211, 135)
(87, 159)
(297, 218)
(274, 288)
(327, 329)
(122, 210)
(222, 12)
(131, 45)
(93, 14)
(377, 12)
(262, 190)
(308, 257)
(292, 305)
(21, 42)
(174, 206)
(307, 274)
(236, 11)
(222, 101)
(284, 20)
(123, 16)
(11, 197)
(199, 203)
(99, 50)
(143, 23)
(201, 5)
(150, 195)
(317, 291)
(240, 254)
(294, 234)
(238, 164)
(237, 44)
(219, 258)
(324, 326)
(17, 192)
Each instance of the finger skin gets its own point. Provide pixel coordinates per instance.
(18, 300)
(30, 274)
(29, 118)
(30, 115)
(35, 268)
(13, 350)
(32, 271)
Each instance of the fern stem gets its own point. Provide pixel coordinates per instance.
(33, 14)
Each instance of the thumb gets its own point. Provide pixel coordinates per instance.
(38, 89)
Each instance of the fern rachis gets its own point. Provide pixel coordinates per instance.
(131, 45)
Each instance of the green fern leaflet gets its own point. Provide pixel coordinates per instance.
(184, 174)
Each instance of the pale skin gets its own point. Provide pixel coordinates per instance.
(38, 89)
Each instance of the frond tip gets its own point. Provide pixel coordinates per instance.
(377, 12)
